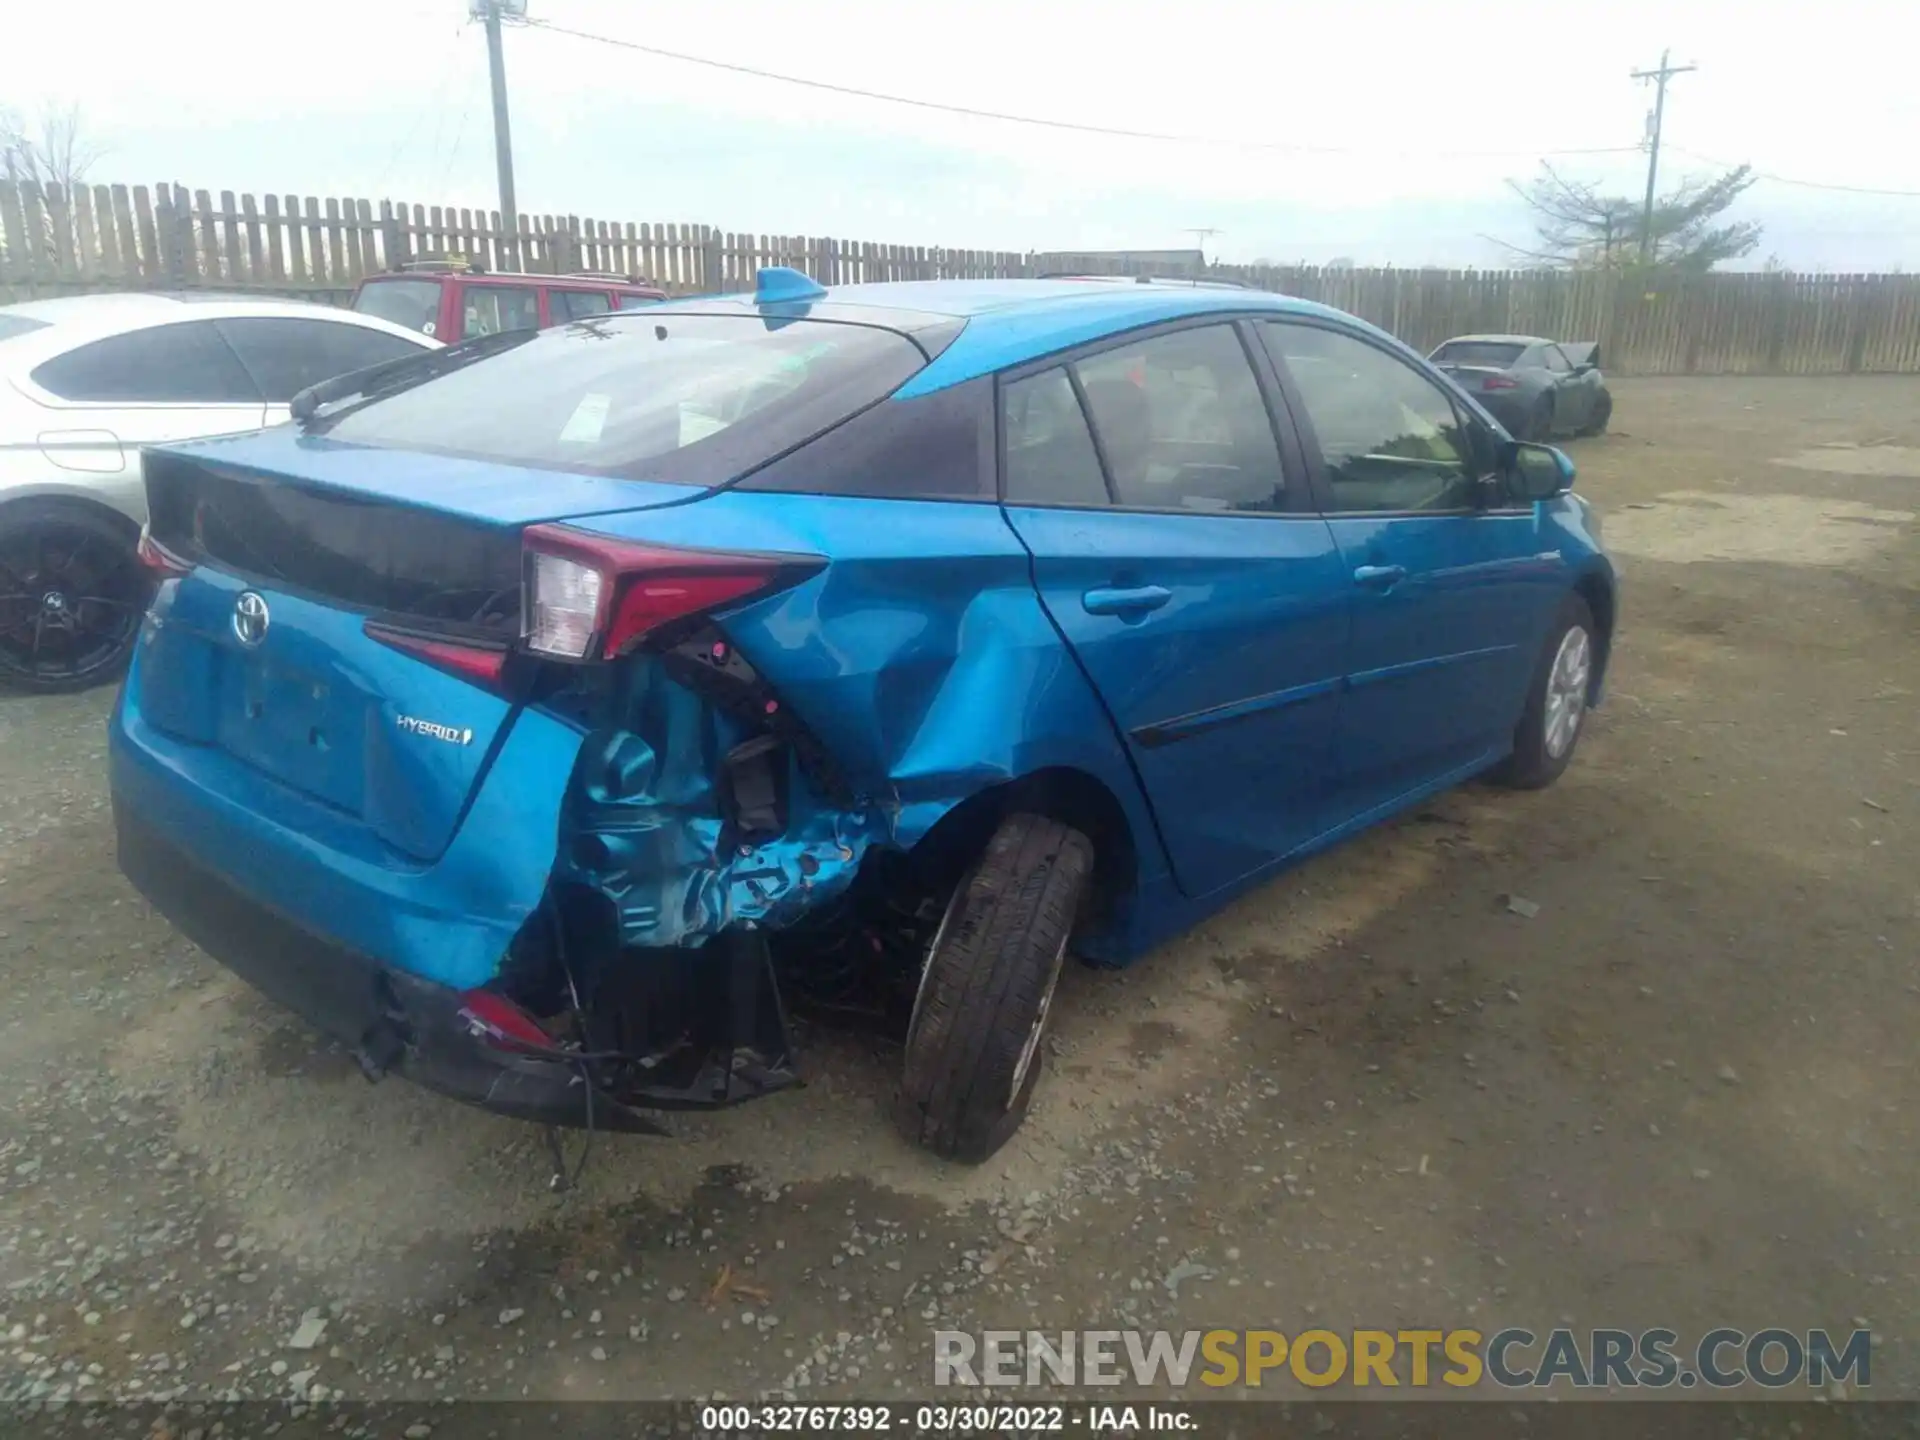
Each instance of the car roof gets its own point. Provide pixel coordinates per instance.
(1496, 340)
(515, 277)
(1009, 322)
(1200, 282)
(72, 320)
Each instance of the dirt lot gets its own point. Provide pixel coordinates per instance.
(1683, 1093)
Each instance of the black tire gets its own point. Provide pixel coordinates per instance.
(974, 1046)
(1540, 420)
(72, 592)
(1535, 763)
(1602, 413)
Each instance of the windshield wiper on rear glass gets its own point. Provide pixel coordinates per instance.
(318, 406)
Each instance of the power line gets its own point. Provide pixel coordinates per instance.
(459, 138)
(1074, 126)
(1801, 184)
(433, 103)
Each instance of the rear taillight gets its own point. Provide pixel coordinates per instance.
(561, 606)
(588, 597)
(497, 1021)
(158, 562)
(482, 664)
(1499, 382)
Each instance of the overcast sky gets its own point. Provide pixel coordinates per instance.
(1395, 107)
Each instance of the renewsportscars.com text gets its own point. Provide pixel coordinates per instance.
(1512, 1359)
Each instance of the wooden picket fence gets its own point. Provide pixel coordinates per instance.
(118, 237)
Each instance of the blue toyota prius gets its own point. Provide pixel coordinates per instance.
(547, 716)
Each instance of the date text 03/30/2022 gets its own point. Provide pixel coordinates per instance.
(902, 1418)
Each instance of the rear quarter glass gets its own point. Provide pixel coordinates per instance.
(688, 399)
(937, 446)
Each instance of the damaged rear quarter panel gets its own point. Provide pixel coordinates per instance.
(644, 823)
(919, 656)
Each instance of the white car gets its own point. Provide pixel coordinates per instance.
(84, 383)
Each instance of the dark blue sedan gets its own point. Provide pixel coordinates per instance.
(1534, 387)
(548, 716)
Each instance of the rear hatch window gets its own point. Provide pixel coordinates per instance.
(427, 568)
(414, 304)
(690, 399)
(1486, 354)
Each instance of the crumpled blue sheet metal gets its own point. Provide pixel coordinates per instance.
(643, 824)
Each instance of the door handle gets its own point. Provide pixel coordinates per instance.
(1130, 600)
(1379, 577)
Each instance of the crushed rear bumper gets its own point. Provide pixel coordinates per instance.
(390, 1019)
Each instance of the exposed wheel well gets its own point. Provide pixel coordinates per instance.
(1070, 796)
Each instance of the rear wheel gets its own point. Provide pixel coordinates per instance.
(973, 1051)
(1556, 710)
(71, 594)
(1602, 413)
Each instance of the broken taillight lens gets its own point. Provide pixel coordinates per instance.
(156, 560)
(498, 1022)
(592, 597)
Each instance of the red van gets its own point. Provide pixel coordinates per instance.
(452, 300)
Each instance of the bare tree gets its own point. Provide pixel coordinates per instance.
(1577, 227)
(54, 150)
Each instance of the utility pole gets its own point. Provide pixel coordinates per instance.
(489, 12)
(1660, 77)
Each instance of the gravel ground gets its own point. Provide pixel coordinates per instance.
(1681, 1093)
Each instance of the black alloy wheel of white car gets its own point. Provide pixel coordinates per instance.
(72, 593)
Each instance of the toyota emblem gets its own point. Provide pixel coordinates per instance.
(250, 618)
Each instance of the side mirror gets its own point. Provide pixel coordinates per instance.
(1539, 472)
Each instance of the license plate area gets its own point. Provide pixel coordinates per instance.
(306, 731)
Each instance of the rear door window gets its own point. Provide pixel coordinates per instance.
(697, 398)
(490, 309)
(286, 356)
(413, 304)
(565, 305)
(182, 364)
(1182, 425)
